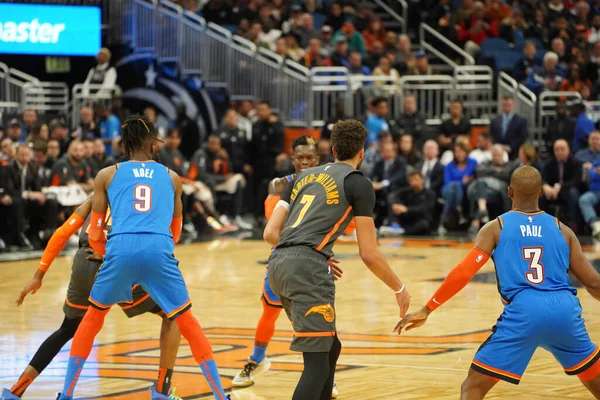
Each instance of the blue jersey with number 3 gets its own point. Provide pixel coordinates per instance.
(532, 253)
(141, 197)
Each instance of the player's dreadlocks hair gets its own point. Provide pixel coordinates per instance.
(137, 129)
(348, 138)
(303, 141)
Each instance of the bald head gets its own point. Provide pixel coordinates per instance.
(525, 183)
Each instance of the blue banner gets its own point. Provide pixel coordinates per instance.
(49, 30)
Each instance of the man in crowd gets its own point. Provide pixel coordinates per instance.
(37, 214)
(87, 126)
(170, 155)
(71, 169)
(42, 163)
(388, 175)
(378, 121)
(454, 126)
(324, 152)
(9, 229)
(29, 121)
(13, 131)
(233, 139)
(431, 168)
(411, 209)
(483, 148)
(339, 58)
(562, 178)
(109, 127)
(411, 121)
(562, 126)
(583, 126)
(53, 152)
(509, 129)
(99, 157)
(59, 132)
(189, 132)
(526, 65)
(546, 77)
(7, 149)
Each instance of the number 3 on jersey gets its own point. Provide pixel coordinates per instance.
(307, 200)
(143, 198)
(536, 268)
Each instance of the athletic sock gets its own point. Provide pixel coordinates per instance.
(211, 374)
(163, 383)
(74, 369)
(259, 353)
(22, 384)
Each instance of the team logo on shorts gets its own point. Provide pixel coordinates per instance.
(326, 310)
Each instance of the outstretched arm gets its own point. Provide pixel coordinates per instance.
(580, 266)
(177, 222)
(96, 235)
(457, 279)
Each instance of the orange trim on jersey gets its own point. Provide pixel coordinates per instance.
(334, 230)
(100, 306)
(313, 334)
(557, 221)
(75, 305)
(187, 303)
(527, 213)
(587, 360)
(268, 300)
(497, 371)
(590, 373)
(138, 302)
(500, 222)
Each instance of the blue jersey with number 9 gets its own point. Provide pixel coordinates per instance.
(141, 197)
(532, 253)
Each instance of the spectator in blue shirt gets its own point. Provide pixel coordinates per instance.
(526, 64)
(110, 127)
(583, 126)
(546, 77)
(377, 122)
(589, 200)
(591, 153)
(457, 175)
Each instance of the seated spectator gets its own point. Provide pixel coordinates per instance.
(37, 214)
(431, 168)
(483, 148)
(590, 199)
(339, 58)
(408, 150)
(88, 153)
(457, 175)
(109, 127)
(53, 152)
(560, 49)
(508, 128)
(588, 155)
(579, 44)
(39, 133)
(493, 178)
(103, 76)
(581, 10)
(410, 121)
(474, 30)
(327, 38)
(87, 128)
(169, 155)
(411, 209)
(324, 152)
(528, 156)
(99, 157)
(295, 20)
(546, 77)
(575, 82)
(233, 140)
(422, 66)
(357, 69)
(560, 127)
(384, 68)
(388, 175)
(30, 118)
(336, 18)
(513, 28)
(7, 149)
(403, 58)
(375, 32)
(310, 55)
(306, 32)
(497, 11)
(9, 201)
(557, 9)
(538, 29)
(527, 64)
(294, 51)
(373, 152)
(13, 130)
(594, 35)
(281, 48)
(71, 170)
(583, 126)
(189, 130)
(150, 113)
(377, 51)
(456, 125)
(354, 38)
(561, 177)
(42, 163)
(378, 121)
(59, 132)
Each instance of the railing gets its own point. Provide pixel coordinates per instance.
(475, 88)
(401, 19)
(507, 86)
(428, 36)
(81, 97)
(433, 93)
(547, 108)
(46, 97)
(525, 105)
(12, 82)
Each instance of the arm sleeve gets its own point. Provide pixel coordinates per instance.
(360, 195)
(270, 204)
(59, 239)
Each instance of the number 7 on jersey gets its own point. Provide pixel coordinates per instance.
(307, 200)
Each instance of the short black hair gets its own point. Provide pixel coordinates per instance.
(304, 140)
(414, 172)
(172, 131)
(348, 138)
(378, 100)
(41, 147)
(137, 129)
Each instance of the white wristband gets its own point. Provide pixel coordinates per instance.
(401, 289)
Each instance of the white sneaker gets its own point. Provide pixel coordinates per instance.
(251, 370)
(243, 224)
(442, 230)
(596, 229)
(224, 220)
(334, 392)
(391, 230)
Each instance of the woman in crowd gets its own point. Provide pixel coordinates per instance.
(375, 32)
(408, 150)
(528, 156)
(575, 82)
(39, 133)
(457, 175)
(384, 68)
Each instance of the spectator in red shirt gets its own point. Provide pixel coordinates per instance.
(375, 32)
(473, 31)
(497, 11)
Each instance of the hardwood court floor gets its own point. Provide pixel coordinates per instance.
(224, 278)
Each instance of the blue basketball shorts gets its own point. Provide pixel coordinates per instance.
(144, 259)
(550, 320)
(268, 294)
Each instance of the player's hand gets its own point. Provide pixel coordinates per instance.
(414, 320)
(93, 255)
(337, 271)
(403, 300)
(33, 286)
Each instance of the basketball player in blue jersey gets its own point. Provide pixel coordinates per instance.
(532, 252)
(145, 200)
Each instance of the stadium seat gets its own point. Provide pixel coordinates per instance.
(492, 46)
(506, 60)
